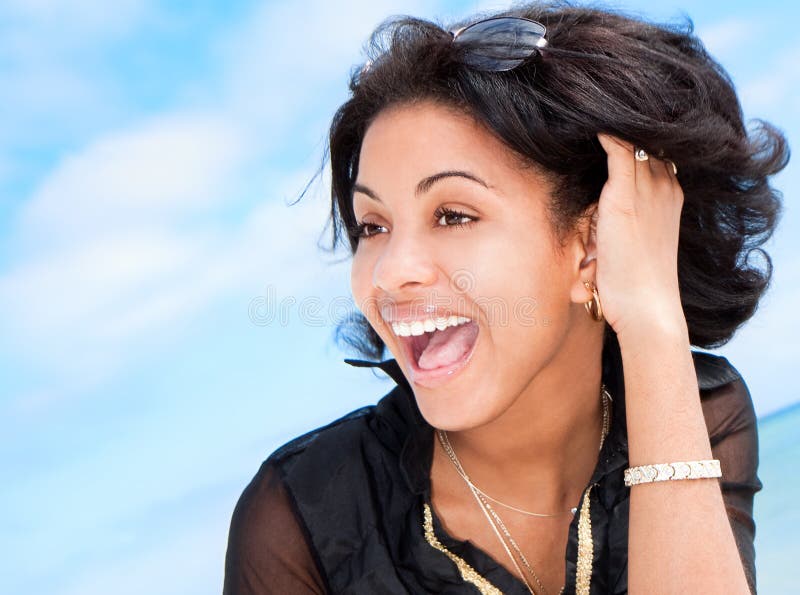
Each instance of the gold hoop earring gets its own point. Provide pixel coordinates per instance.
(593, 306)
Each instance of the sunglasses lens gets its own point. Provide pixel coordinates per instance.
(501, 43)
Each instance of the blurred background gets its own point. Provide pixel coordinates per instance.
(166, 318)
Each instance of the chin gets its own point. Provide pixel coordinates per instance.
(450, 411)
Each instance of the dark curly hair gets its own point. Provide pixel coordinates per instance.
(650, 84)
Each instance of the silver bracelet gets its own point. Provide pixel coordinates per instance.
(672, 471)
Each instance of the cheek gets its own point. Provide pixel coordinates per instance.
(522, 285)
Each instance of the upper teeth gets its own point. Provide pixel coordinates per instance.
(418, 327)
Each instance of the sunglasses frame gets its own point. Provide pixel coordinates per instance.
(540, 43)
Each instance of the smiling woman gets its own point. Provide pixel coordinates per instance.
(538, 241)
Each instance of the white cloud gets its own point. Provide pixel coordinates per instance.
(726, 36)
(62, 306)
(169, 166)
(70, 287)
(122, 262)
(106, 249)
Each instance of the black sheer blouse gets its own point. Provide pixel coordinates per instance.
(341, 509)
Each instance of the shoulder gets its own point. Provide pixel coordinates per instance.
(713, 370)
(350, 446)
(268, 545)
(338, 455)
(307, 462)
(269, 482)
(725, 397)
(299, 465)
(342, 430)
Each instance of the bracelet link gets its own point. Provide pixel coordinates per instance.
(672, 471)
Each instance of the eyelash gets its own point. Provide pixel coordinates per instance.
(444, 211)
(357, 231)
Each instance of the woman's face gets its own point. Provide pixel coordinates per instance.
(455, 226)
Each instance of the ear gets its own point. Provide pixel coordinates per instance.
(584, 255)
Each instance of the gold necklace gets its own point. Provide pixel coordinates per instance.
(517, 549)
(492, 516)
(606, 400)
(489, 512)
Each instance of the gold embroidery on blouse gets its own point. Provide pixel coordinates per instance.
(583, 574)
(468, 573)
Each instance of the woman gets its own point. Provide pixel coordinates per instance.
(546, 208)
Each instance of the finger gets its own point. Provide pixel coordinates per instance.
(621, 165)
(672, 173)
(665, 176)
(671, 168)
(661, 172)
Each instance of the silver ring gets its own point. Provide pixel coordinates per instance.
(640, 155)
(674, 167)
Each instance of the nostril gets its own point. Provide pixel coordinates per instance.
(404, 265)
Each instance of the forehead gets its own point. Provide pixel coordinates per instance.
(429, 136)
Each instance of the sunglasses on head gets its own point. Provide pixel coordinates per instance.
(499, 44)
(496, 44)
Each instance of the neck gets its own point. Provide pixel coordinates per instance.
(540, 453)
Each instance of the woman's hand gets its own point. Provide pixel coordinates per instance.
(638, 224)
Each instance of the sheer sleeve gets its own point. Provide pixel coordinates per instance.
(268, 549)
(731, 422)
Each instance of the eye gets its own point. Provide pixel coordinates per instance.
(365, 230)
(452, 218)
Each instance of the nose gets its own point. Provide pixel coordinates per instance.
(405, 263)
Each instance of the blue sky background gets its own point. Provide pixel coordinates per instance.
(148, 151)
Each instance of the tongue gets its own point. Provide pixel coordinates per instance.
(448, 346)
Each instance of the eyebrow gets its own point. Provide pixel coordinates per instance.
(425, 184)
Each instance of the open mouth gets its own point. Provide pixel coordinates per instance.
(441, 351)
